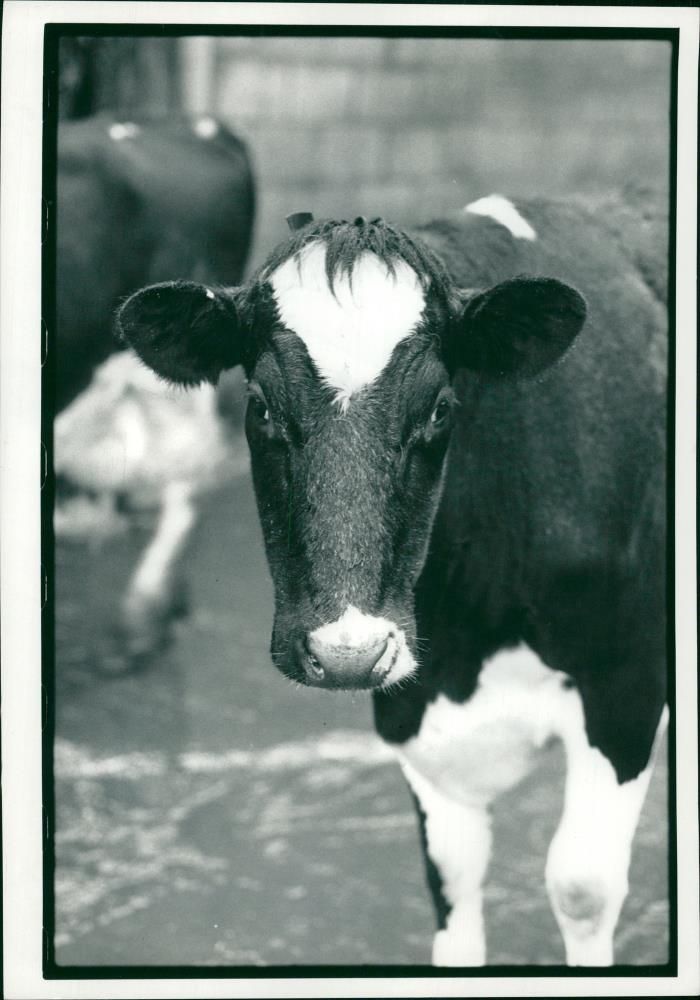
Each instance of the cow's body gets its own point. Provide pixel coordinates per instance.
(568, 586)
(552, 520)
(136, 201)
(533, 549)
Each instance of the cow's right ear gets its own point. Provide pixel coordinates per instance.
(187, 333)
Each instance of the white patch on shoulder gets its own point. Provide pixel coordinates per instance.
(349, 332)
(503, 211)
(209, 294)
(206, 128)
(356, 629)
(124, 130)
(517, 705)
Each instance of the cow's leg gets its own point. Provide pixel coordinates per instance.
(588, 860)
(456, 840)
(151, 597)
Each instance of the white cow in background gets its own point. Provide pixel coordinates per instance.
(131, 443)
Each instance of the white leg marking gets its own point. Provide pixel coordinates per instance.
(588, 860)
(503, 211)
(463, 757)
(349, 332)
(154, 572)
(458, 839)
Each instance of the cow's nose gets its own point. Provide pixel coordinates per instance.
(339, 666)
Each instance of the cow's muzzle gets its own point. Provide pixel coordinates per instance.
(347, 666)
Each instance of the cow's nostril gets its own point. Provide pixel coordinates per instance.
(378, 652)
(375, 672)
(312, 668)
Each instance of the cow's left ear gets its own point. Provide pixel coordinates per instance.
(519, 327)
(186, 332)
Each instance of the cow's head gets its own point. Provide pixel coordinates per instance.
(349, 336)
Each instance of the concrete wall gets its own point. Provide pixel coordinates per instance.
(411, 128)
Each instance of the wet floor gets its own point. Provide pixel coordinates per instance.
(209, 812)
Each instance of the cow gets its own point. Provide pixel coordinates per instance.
(137, 200)
(457, 438)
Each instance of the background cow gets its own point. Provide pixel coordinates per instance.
(463, 515)
(135, 200)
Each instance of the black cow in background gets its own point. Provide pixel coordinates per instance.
(137, 201)
(461, 478)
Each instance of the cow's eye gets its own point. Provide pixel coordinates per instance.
(440, 414)
(258, 407)
(260, 410)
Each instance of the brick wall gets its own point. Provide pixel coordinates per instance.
(411, 128)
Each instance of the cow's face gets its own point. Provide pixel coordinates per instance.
(349, 337)
(348, 423)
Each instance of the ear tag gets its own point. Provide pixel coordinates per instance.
(297, 220)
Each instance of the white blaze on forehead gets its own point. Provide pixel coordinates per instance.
(504, 212)
(350, 331)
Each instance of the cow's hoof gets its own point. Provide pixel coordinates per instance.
(145, 629)
(114, 660)
(125, 650)
(124, 653)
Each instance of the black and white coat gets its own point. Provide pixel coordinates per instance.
(460, 475)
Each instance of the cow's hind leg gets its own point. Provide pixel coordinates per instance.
(152, 598)
(589, 857)
(456, 841)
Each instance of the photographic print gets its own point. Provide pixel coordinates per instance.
(358, 401)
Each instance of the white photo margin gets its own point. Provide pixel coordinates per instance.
(20, 400)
